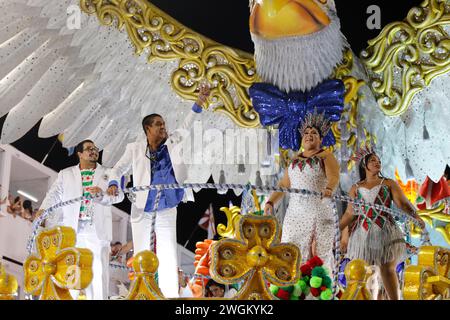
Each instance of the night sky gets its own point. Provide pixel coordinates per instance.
(227, 23)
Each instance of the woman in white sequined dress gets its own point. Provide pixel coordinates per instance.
(310, 219)
(372, 234)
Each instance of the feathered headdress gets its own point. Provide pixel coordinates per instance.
(362, 152)
(315, 120)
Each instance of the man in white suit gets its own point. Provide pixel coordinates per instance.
(91, 219)
(153, 161)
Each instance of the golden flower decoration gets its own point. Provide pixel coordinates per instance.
(256, 256)
(58, 266)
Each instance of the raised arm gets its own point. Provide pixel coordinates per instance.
(179, 134)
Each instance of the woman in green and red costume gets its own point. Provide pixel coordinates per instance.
(372, 234)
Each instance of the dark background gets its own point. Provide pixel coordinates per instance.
(225, 22)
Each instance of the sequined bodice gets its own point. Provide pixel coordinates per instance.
(369, 215)
(308, 174)
(369, 195)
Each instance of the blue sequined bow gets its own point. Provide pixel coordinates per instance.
(288, 110)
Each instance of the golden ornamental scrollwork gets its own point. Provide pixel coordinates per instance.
(229, 72)
(430, 278)
(58, 267)
(233, 215)
(144, 287)
(408, 55)
(256, 257)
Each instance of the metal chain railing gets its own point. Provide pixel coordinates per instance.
(261, 189)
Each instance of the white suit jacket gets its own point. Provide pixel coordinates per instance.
(135, 159)
(68, 186)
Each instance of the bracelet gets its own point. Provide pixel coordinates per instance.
(270, 203)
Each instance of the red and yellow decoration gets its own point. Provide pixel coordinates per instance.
(431, 192)
(429, 199)
(58, 267)
(8, 285)
(257, 257)
(410, 188)
(144, 287)
(430, 279)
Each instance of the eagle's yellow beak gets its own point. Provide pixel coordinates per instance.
(274, 19)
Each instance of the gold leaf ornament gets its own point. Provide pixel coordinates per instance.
(233, 215)
(58, 267)
(255, 256)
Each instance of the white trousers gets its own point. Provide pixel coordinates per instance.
(99, 287)
(166, 245)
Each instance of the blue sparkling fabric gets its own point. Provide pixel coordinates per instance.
(288, 110)
(162, 173)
